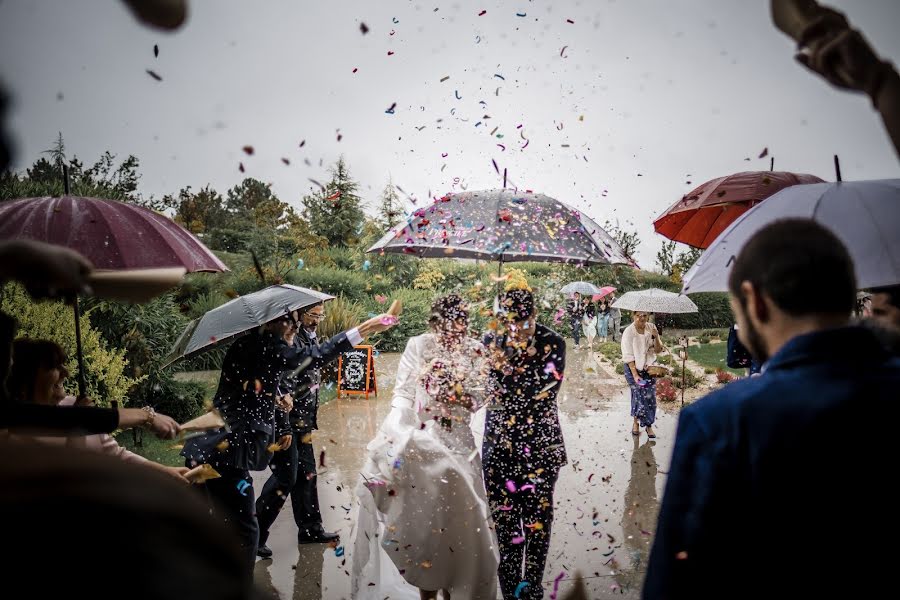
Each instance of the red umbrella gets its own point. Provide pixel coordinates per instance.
(112, 235)
(701, 215)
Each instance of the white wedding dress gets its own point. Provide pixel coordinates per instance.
(424, 521)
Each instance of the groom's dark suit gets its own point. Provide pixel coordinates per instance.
(522, 453)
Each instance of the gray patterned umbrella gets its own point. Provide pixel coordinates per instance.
(505, 226)
(582, 287)
(655, 300)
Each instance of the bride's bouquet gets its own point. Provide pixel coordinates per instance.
(456, 378)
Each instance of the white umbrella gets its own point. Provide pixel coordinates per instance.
(582, 287)
(865, 215)
(655, 300)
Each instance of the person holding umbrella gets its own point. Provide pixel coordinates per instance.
(247, 398)
(640, 345)
(294, 470)
(615, 318)
(575, 308)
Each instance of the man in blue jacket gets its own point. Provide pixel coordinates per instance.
(778, 482)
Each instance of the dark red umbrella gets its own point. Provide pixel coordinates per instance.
(701, 215)
(112, 235)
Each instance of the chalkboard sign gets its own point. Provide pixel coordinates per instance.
(356, 372)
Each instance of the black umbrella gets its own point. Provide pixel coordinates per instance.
(505, 226)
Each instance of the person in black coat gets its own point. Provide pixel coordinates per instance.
(247, 397)
(523, 447)
(294, 471)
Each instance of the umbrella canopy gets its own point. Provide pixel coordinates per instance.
(606, 290)
(503, 225)
(582, 287)
(655, 300)
(865, 215)
(702, 214)
(112, 235)
(240, 316)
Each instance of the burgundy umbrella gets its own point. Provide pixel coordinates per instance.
(702, 214)
(112, 235)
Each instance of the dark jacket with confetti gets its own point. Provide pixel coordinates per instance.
(522, 431)
(251, 371)
(304, 385)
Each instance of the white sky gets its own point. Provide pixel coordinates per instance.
(674, 90)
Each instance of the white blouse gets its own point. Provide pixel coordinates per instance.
(638, 347)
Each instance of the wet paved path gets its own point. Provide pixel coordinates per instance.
(610, 472)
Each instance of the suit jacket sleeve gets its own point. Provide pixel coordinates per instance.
(695, 493)
(315, 356)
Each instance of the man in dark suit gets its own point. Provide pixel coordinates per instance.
(523, 446)
(294, 471)
(768, 481)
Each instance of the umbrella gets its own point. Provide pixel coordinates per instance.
(582, 287)
(112, 235)
(702, 214)
(503, 225)
(240, 316)
(864, 215)
(606, 290)
(655, 300)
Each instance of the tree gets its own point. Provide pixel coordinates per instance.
(687, 259)
(335, 213)
(200, 212)
(665, 258)
(391, 209)
(252, 203)
(628, 240)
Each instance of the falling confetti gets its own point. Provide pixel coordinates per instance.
(154, 75)
(363, 28)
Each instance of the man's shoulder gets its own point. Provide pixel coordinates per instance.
(548, 335)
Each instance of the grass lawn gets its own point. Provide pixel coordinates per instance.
(167, 451)
(713, 356)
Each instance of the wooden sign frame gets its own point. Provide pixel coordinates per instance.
(371, 381)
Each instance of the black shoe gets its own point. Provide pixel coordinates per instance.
(264, 552)
(317, 536)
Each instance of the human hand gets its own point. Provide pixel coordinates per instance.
(164, 426)
(46, 270)
(83, 401)
(840, 54)
(179, 473)
(377, 324)
(285, 403)
(284, 442)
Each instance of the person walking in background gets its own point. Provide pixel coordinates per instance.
(603, 319)
(744, 450)
(640, 345)
(589, 321)
(576, 310)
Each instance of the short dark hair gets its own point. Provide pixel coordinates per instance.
(29, 355)
(306, 309)
(803, 267)
(517, 303)
(451, 306)
(892, 291)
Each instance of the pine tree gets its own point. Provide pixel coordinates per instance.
(335, 213)
(391, 210)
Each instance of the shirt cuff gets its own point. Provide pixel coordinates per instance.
(354, 337)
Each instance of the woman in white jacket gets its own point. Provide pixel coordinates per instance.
(423, 519)
(640, 345)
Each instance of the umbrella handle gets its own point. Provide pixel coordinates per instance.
(82, 391)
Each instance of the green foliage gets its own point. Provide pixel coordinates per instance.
(714, 311)
(690, 380)
(351, 284)
(712, 356)
(413, 321)
(335, 213)
(341, 314)
(105, 367)
(629, 240)
(390, 210)
(666, 390)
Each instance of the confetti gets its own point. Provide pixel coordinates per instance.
(243, 485)
(518, 539)
(339, 551)
(322, 459)
(248, 150)
(154, 75)
(155, 50)
(522, 585)
(482, 13)
(391, 108)
(764, 153)
(562, 52)
(445, 78)
(363, 28)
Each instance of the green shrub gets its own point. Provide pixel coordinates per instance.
(665, 360)
(354, 285)
(341, 314)
(203, 303)
(709, 370)
(413, 321)
(620, 368)
(106, 367)
(714, 311)
(181, 400)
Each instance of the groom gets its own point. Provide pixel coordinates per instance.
(523, 443)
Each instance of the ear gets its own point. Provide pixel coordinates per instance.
(758, 308)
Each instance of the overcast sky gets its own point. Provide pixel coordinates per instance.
(622, 103)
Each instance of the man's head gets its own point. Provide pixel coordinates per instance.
(449, 316)
(285, 326)
(576, 295)
(517, 309)
(886, 307)
(312, 316)
(791, 276)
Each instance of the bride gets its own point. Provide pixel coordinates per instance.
(423, 519)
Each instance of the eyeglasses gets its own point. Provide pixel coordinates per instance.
(315, 316)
